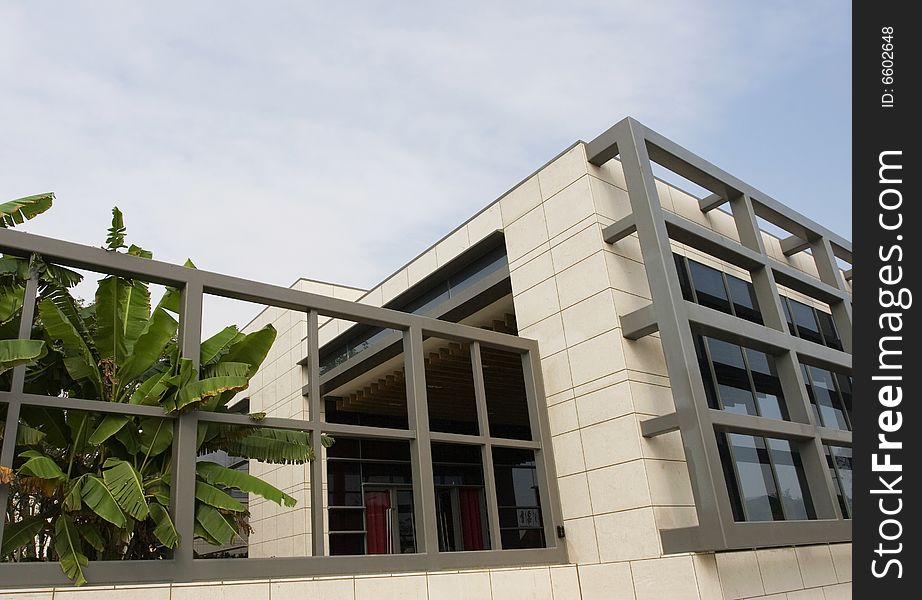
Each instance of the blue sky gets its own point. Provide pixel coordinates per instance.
(286, 139)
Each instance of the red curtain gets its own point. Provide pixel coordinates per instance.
(471, 524)
(376, 521)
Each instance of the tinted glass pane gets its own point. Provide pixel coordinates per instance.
(827, 400)
(347, 519)
(709, 286)
(756, 482)
(743, 296)
(726, 461)
(805, 318)
(842, 457)
(347, 543)
(450, 387)
(684, 281)
(786, 306)
(769, 397)
(344, 483)
(477, 271)
(459, 497)
(732, 379)
(507, 402)
(845, 390)
(828, 327)
(704, 365)
(795, 495)
(518, 498)
(425, 303)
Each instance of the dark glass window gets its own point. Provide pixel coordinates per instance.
(810, 323)
(461, 513)
(507, 401)
(828, 328)
(743, 296)
(370, 497)
(839, 460)
(805, 319)
(718, 290)
(766, 478)
(684, 280)
(709, 287)
(450, 387)
(520, 518)
(829, 405)
(740, 380)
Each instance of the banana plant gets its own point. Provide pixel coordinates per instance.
(95, 486)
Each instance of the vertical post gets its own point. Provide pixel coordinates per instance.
(185, 434)
(545, 470)
(483, 422)
(8, 451)
(713, 503)
(313, 399)
(427, 539)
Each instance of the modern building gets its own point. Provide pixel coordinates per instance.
(676, 423)
(696, 384)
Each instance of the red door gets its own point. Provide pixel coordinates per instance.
(378, 522)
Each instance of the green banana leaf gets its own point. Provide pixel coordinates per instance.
(163, 529)
(252, 349)
(101, 500)
(212, 496)
(14, 353)
(277, 446)
(122, 313)
(41, 467)
(70, 553)
(25, 435)
(10, 302)
(150, 346)
(156, 435)
(18, 534)
(90, 533)
(108, 427)
(214, 523)
(217, 345)
(78, 358)
(125, 484)
(18, 211)
(216, 474)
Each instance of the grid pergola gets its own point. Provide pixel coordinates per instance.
(195, 284)
(678, 320)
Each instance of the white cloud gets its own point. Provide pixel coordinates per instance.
(286, 139)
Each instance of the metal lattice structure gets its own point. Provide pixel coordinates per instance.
(678, 320)
(195, 284)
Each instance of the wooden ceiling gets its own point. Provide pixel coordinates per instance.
(450, 384)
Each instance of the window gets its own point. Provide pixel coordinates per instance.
(740, 380)
(715, 289)
(810, 324)
(370, 497)
(765, 478)
(461, 514)
(839, 460)
(831, 407)
(520, 518)
(507, 400)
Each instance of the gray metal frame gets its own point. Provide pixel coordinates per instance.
(194, 285)
(677, 320)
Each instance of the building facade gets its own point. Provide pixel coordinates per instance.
(688, 434)
(570, 270)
